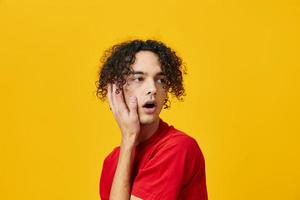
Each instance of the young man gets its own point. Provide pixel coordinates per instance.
(154, 160)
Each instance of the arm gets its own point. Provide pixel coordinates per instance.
(128, 122)
(121, 182)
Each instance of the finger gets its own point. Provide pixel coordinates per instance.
(113, 96)
(120, 101)
(133, 106)
(109, 94)
(114, 99)
(125, 100)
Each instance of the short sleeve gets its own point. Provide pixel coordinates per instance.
(103, 188)
(169, 170)
(108, 169)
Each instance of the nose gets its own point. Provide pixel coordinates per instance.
(151, 88)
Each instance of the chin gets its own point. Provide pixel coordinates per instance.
(148, 119)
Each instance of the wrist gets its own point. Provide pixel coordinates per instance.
(128, 143)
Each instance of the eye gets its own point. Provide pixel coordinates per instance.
(138, 79)
(161, 80)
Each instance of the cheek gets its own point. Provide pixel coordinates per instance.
(128, 92)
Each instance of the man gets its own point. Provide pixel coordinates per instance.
(154, 160)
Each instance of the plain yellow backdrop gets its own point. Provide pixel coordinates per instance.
(242, 102)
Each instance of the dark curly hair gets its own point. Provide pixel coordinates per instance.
(117, 61)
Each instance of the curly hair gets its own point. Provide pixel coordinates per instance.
(117, 61)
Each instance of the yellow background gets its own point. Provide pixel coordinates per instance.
(242, 102)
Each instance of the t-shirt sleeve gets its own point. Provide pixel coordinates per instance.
(169, 170)
(107, 173)
(104, 185)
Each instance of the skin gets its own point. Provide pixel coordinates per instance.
(147, 83)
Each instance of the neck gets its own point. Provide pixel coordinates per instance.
(147, 130)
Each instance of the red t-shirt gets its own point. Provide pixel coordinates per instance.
(169, 165)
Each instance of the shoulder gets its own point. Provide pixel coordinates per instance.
(181, 140)
(187, 147)
(178, 143)
(110, 157)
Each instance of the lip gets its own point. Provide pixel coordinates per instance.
(150, 110)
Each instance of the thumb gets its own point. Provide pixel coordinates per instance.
(132, 105)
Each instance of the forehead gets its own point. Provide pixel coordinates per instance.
(147, 62)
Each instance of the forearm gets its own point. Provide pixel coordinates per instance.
(121, 183)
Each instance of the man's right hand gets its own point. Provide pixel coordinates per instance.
(125, 115)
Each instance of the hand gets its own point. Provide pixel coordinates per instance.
(125, 115)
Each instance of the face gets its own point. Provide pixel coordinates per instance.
(148, 84)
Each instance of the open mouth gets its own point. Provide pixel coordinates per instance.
(150, 106)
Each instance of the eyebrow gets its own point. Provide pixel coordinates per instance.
(143, 73)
